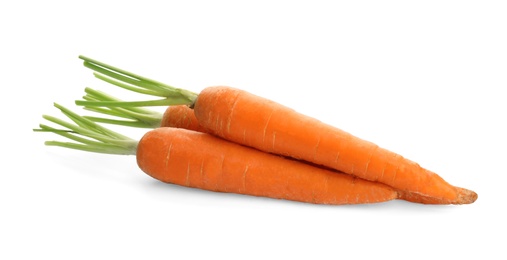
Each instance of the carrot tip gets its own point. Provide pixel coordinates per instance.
(466, 196)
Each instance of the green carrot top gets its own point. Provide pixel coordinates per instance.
(87, 135)
(136, 83)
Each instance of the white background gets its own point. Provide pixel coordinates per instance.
(426, 79)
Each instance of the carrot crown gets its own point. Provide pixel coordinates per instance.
(136, 83)
(88, 136)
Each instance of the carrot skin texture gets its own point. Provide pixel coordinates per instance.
(200, 160)
(180, 116)
(247, 119)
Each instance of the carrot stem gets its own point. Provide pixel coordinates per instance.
(125, 116)
(67, 133)
(145, 103)
(134, 88)
(109, 111)
(129, 123)
(107, 149)
(140, 84)
(88, 135)
(137, 117)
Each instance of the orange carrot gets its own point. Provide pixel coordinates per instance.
(273, 128)
(250, 120)
(200, 160)
(181, 117)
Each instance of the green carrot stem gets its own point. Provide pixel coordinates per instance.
(120, 77)
(108, 111)
(145, 103)
(96, 95)
(107, 149)
(126, 116)
(129, 87)
(68, 134)
(129, 123)
(88, 135)
(134, 82)
(89, 124)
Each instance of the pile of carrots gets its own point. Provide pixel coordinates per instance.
(228, 140)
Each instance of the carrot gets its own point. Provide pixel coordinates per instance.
(273, 128)
(200, 160)
(250, 120)
(181, 116)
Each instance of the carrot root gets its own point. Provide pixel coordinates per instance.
(466, 196)
(199, 160)
(250, 120)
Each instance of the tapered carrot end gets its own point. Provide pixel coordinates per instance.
(466, 196)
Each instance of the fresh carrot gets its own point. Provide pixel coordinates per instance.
(200, 160)
(250, 120)
(181, 116)
(226, 112)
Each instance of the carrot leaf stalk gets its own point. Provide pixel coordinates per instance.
(87, 135)
(130, 116)
(136, 83)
